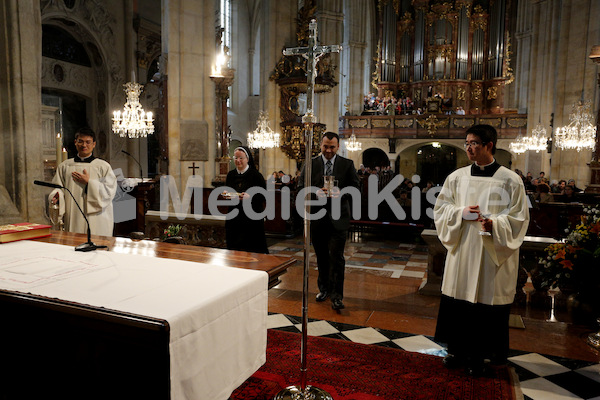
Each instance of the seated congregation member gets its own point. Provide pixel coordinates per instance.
(543, 194)
(560, 187)
(93, 184)
(569, 196)
(483, 237)
(572, 184)
(244, 232)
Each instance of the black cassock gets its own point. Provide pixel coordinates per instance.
(242, 232)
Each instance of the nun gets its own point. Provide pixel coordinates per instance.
(244, 232)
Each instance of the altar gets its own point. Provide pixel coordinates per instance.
(110, 325)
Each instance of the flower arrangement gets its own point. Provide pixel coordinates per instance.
(172, 230)
(575, 261)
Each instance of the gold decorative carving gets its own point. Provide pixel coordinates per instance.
(516, 122)
(432, 124)
(508, 72)
(495, 122)
(464, 122)
(479, 19)
(358, 123)
(418, 95)
(380, 123)
(476, 93)
(460, 93)
(293, 144)
(405, 23)
(375, 74)
(404, 123)
(492, 93)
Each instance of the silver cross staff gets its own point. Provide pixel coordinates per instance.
(312, 53)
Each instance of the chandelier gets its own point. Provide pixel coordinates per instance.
(538, 140)
(132, 121)
(519, 146)
(580, 134)
(263, 136)
(352, 144)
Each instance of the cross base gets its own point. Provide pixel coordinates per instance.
(309, 393)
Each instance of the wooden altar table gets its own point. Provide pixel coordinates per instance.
(134, 322)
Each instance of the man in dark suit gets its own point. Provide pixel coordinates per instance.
(329, 232)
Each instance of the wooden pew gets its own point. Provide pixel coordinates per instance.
(533, 247)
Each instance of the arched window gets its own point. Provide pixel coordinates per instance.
(60, 45)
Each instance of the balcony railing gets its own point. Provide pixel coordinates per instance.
(430, 126)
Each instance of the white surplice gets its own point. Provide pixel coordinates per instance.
(482, 269)
(96, 201)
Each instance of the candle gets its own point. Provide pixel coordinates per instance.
(58, 149)
(64, 154)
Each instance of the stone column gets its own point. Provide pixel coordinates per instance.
(594, 186)
(278, 30)
(352, 58)
(330, 19)
(21, 160)
(189, 51)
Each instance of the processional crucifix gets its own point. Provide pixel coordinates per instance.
(312, 53)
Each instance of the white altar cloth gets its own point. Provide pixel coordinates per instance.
(217, 315)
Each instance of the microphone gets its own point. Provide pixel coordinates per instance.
(89, 245)
(138, 163)
(47, 184)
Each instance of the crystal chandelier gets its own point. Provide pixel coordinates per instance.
(263, 136)
(538, 140)
(133, 121)
(352, 144)
(580, 134)
(519, 146)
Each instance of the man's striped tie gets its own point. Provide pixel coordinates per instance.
(328, 168)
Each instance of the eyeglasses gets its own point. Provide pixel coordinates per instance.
(88, 142)
(239, 158)
(473, 144)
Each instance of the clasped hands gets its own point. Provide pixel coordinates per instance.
(473, 213)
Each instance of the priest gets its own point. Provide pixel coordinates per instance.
(481, 216)
(92, 182)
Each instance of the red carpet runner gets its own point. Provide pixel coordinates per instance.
(351, 371)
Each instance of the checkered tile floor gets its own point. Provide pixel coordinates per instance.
(394, 260)
(542, 377)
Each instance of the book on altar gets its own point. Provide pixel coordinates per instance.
(22, 231)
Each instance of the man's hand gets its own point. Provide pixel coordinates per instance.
(471, 213)
(81, 177)
(55, 198)
(321, 192)
(486, 224)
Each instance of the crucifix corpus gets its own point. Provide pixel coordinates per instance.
(312, 53)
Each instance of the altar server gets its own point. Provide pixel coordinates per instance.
(481, 216)
(92, 182)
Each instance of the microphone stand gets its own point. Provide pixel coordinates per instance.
(89, 245)
(138, 163)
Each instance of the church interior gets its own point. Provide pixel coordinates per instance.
(409, 78)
